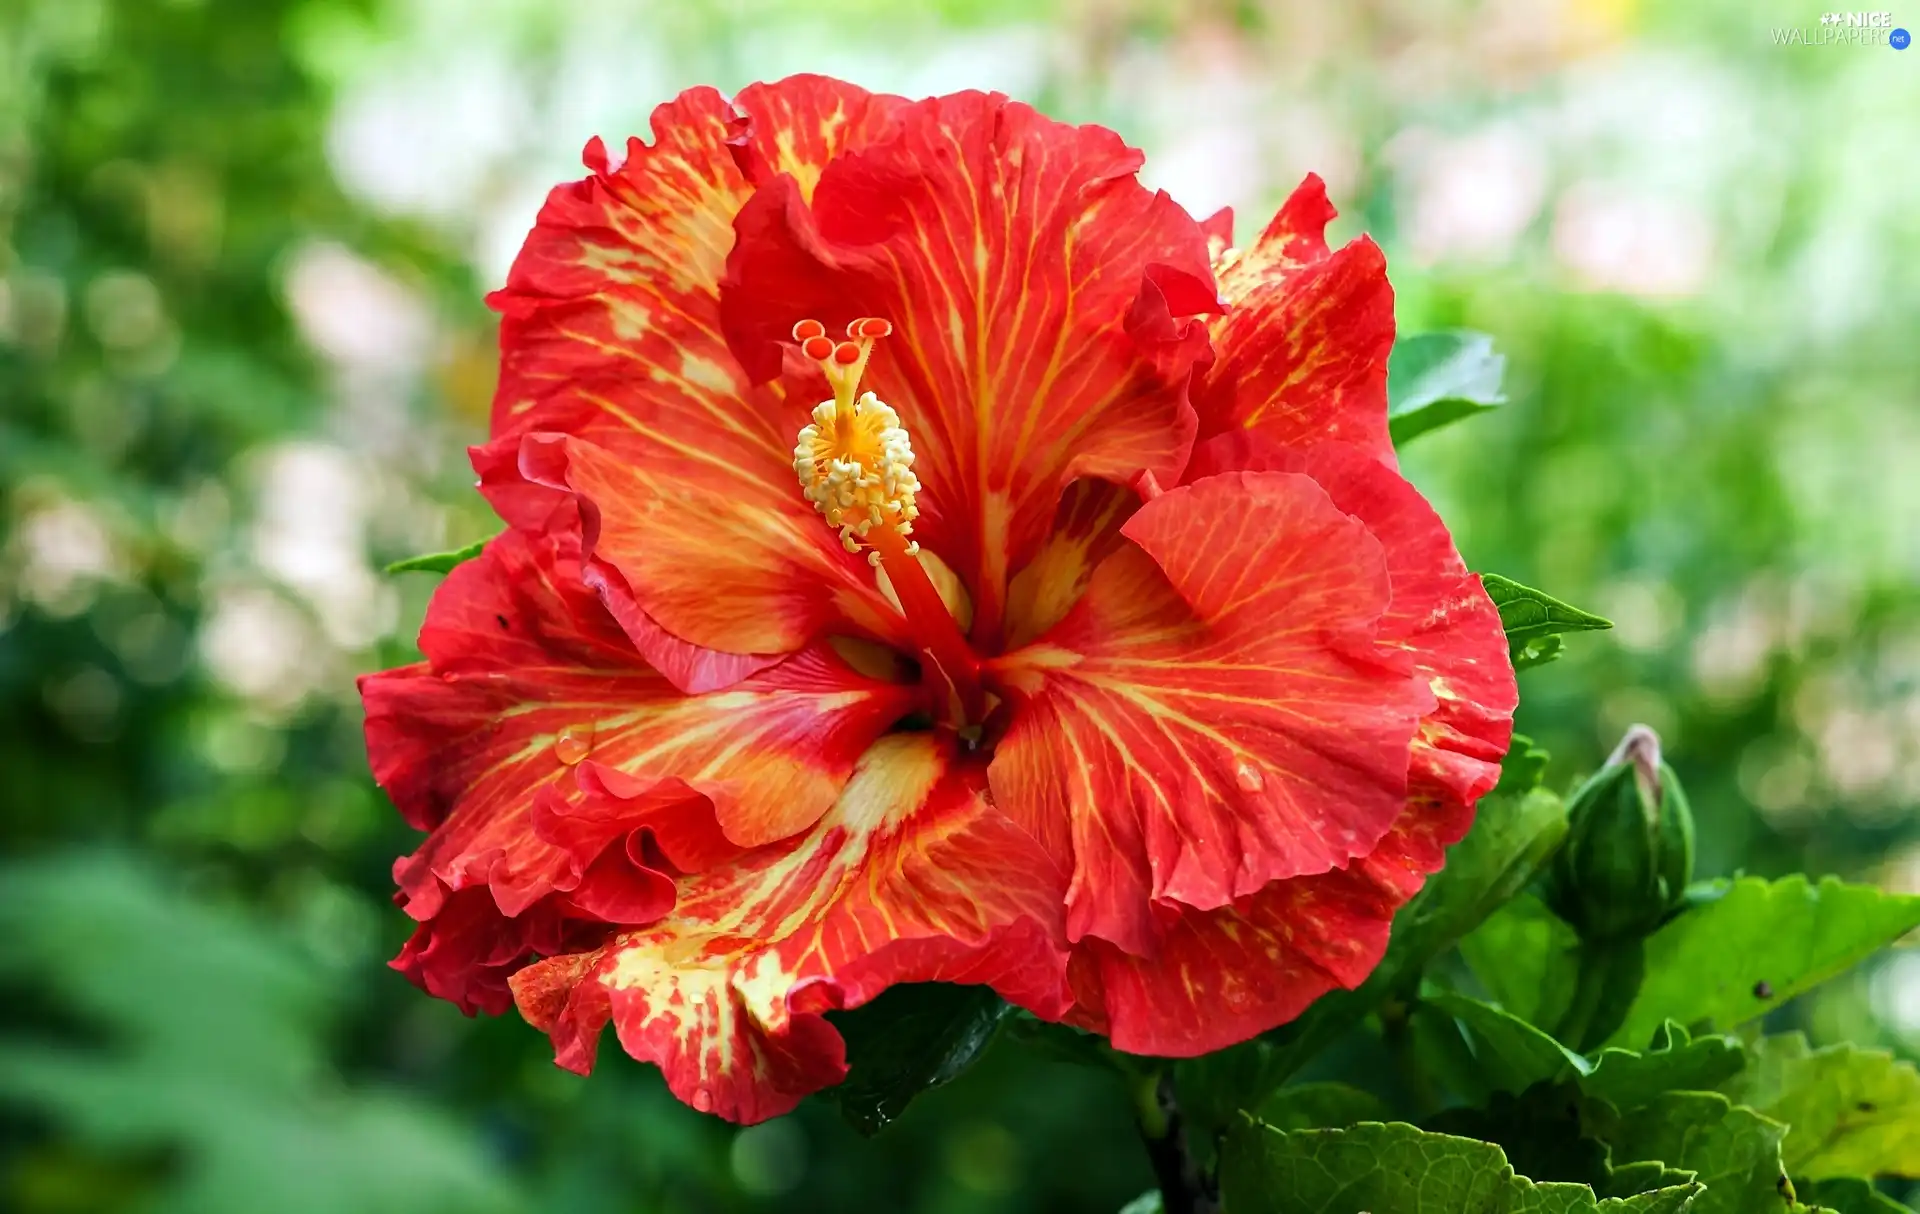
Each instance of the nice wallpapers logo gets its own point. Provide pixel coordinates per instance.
(1846, 29)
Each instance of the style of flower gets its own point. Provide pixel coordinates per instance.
(930, 556)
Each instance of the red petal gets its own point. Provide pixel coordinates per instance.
(1086, 531)
(626, 879)
(1220, 977)
(800, 124)
(618, 889)
(527, 677)
(541, 506)
(1218, 228)
(466, 953)
(1439, 613)
(1214, 714)
(1302, 354)
(614, 293)
(913, 876)
(703, 560)
(690, 667)
(518, 607)
(1032, 284)
(677, 822)
(610, 333)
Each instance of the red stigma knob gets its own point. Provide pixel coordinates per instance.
(818, 347)
(846, 354)
(869, 327)
(808, 329)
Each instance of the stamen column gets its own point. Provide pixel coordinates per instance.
(855, 464)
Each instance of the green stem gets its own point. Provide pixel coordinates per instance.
(1610, 974)
(1396, 1030)
(1185, 1188)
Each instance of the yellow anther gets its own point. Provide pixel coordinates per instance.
(855, 465)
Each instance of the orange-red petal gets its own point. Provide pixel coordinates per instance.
(1086, 531)
(1439, 615)
(1036, 291)
(534, 742)
(1301, 356)
(705, 561)
(1219, 977)
(799, 125)
(613, 296)
(912, 876)
(1215, 714)
(610, 336)
(1216, 977)
(1218, 229)
(466, 952)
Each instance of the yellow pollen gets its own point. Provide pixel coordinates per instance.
(855, 465)
(854, 460)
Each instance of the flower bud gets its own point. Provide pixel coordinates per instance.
(1629, 850)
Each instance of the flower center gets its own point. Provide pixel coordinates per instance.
(855, 464)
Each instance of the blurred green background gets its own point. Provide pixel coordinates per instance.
(242, 249)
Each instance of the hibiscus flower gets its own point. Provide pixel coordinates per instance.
(930, 556)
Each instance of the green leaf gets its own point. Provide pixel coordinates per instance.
(1401, 1169)
(1537, 652)
(1436, 379)
(1734, 1151)
(1534, 619)
(1523, 768)
(1064, 1043)
(1850, 1195)
(1726, 961)
(1512, 837)
(911, 1039)
(1320, 1106)
(1525, 955)
(1674, 1062)
(1548, 1132)
(437, 562)
(1216, 1088)
(1436, 1057)
(1646, 1176)
(1674, 1199)
(1853, 1112)
(1510, 1054)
